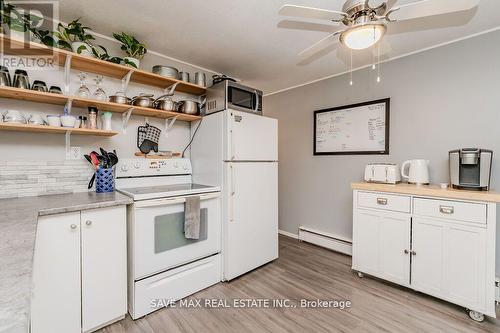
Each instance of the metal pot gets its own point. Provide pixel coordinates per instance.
(119, 98)
(165, 103)
(143, 100)
(190, 107)
(166, 71)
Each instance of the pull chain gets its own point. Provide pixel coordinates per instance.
(351, 82)
(378, 63)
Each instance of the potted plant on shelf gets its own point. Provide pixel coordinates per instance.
(14, 21)
(100, 52)
(74, 37)
(132, 47)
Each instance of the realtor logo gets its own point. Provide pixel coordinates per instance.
(27, 34)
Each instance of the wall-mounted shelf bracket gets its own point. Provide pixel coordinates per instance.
(169, 122)
(67, 74)
(126, 81)
(125, 118)
(68, 105)
(170, 89)
(67, 140)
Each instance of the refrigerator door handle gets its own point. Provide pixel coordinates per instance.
(233, 192)
(231, 138)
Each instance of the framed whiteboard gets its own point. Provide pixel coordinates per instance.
(357, 129)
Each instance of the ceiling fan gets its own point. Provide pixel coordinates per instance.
(363, 23)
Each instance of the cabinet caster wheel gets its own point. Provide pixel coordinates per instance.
(361, 275)
(476, 316)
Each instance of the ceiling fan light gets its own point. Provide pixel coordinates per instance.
(363, 36)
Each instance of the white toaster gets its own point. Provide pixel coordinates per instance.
(386, 173)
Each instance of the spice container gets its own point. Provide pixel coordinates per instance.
(83, 122)
(92, 122)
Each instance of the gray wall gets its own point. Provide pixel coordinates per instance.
(442, 99)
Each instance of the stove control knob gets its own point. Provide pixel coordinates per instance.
(137, 165)
(124, 167)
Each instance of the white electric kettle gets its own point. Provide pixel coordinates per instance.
(418, 172)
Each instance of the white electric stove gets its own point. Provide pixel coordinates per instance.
(163, 264)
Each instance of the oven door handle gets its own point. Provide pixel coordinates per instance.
(172, 201)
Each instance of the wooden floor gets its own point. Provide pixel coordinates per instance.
(305, 271)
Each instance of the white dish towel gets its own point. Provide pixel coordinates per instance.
(192, 218)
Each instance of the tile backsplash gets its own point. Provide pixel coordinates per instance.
(22, 179)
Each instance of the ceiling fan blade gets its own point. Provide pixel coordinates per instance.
(424, 8)
(389, 4)
(309, 26)
(311, 13)
(319, 46)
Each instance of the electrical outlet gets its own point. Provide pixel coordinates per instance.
(75, 153)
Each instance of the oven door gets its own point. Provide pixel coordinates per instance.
(156, 232)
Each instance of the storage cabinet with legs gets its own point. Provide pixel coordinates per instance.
(80, 271)
(441, 247)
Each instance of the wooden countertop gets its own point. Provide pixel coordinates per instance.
(429, 191)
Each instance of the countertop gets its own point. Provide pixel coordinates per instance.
(429, 191)
(18, 223)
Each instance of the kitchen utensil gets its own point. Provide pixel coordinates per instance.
(386, 173)
(147, 146)
(87, 157)
(54, 120)
(106, 121)
(104, 154)
(184, 76)
(219, 78)
(83, 91)
(14, 116)
(113, 159)
(36, 119)
(94, 157)
(200, 79)
(6, 75)
(21, 79)
(165, 103)
(39, 86)
(4, 79)
(166, 71)
(68, 121)
(190, 106)
(91, 182)
(418, 171)
(143, 100)
(119, 98)
(99, 94)
(55, 90)
(141, 134)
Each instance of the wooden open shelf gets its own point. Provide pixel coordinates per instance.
(50, 129)
(58, 99)
(93, 65)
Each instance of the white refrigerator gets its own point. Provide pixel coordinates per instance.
(238, 151)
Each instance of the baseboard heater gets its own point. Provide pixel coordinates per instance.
(326, 240)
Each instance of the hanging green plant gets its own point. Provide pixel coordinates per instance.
(74, 37)
(100, 52)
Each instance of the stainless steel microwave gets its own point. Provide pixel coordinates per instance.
(231, 95)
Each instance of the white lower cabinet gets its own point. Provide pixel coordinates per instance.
(80, 271)
(384, 237)
(440, 247)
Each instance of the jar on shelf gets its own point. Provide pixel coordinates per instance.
(92, 121)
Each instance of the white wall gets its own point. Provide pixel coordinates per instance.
(442, 99)
(19, 146)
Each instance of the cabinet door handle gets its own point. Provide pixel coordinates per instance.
(73, 226)
(406, 251)
(446, 209)
(88, 222)
(413, 253)
(382, 201)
